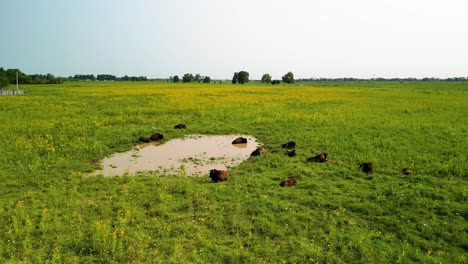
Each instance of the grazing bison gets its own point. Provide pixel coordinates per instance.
(144, 139)
(366, 167)
(290, 181)
(291, 152)
(156, 137)
(219, 175)
(180, 126)
(322, 157)
(239, 140)
(407, 171)
(258, 151)
(289, 145)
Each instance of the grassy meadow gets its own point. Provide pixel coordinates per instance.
(52, 137)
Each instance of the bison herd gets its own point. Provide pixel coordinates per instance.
(223, 175)
(155, 138)
(365, 167)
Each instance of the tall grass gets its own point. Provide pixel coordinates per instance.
(51, 211)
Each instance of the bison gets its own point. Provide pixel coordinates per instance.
(258, 151)
(290, 152)
(407, 171)
(322, 157)
(366, 167)
(219, 175)
(290, 181)
(144, 139)
(239, 140)
(156, 137)
(180, 126)
(289, 145)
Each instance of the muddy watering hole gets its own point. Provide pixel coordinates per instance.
(192, 155)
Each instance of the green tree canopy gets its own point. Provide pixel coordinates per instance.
(188, 77)
(266, 78)
(243, 77)
(235, 78)
(3, 78)
(197, 78)
(176, 79)
(288, 77)
(22, 78)
(207, 79)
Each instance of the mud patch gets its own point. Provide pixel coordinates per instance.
(193, 155)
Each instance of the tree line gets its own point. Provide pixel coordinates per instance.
(380, 79)
(243, 77)
(8, 76)
(189, 77)
(240, 77)
(106, 77)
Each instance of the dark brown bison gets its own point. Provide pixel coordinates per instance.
(289, 145)
(322, 157)
(407, 171)
(258, 151)
(219, 175)
(291, 152)
(144, 139)
(290, 181)
(180, 126)
(239, 140)
(156, 137)
(255, 152)
(366, 167)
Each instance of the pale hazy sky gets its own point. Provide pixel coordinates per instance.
(311, 38)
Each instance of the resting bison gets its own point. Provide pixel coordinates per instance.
(258, 151)
(366, 167)
(144, 139)
(291, 152)
(156, 137)
(289, 145)
(407, 171)
(180, 126)
(290, 181)
(219, 175)
(322, 157)
(239, 140)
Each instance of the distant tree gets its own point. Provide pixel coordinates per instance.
(188, 77)
(198, 78)
(51, 79)
(176, 79)
(288, 78)
(274, 82)
(3, 78)
(11, 74)
(138, 78)
(207, 79)
(22, 78)
(235, 78)
(3, 81)
(84, 77)
(106, 77)
(266, 78)
(243, 77)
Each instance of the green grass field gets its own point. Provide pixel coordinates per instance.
(52, 212)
